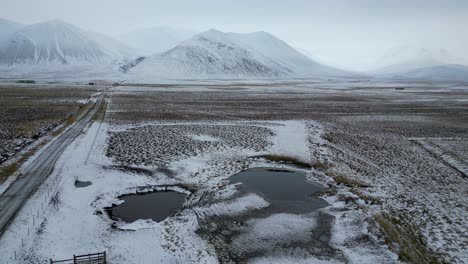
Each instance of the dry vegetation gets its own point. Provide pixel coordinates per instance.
(28, 113)
(380, 161)
(286, 159)
(410, 246)
(161, 144)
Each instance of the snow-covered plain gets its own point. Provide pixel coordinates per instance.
(200, 145)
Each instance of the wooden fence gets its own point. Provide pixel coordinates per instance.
(95, 258)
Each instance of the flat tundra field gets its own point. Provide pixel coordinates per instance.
(390, 159)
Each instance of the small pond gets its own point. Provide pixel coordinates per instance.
(287, 191)
(155, 205)
(82, 184)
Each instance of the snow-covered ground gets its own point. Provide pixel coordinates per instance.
(72, 221)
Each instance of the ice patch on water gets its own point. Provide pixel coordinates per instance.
(267, 232)
(139, 224)
(234, 207)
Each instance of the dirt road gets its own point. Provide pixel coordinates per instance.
(34, 174)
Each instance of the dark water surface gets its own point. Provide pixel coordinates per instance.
(287, 191)
(156, 205)
(82, 184)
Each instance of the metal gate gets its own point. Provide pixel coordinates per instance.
(94, 258)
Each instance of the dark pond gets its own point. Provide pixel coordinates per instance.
(82, 184)
(287, 191)
(156, 205)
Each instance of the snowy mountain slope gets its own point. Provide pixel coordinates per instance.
(272, 47)
(155, 40)
(446, 72)
(58, 42)
(7, 28)
(112, 47)
(215, 54)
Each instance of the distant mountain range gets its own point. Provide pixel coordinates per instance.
(56, 47)
(175, 54)
(422, 63)
(444, 72)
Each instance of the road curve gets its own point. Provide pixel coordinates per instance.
(39, 169)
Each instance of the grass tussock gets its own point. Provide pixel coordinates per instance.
(12, 168)
(367, 198)
(322, 166)
(342, 180)
(8, 171)
(329, 136)
(410, 249)
(286, 159)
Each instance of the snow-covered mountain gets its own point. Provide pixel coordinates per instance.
(422, 64)
(155, 40)
(58, 42)
(446, 72)
(7, 28)
(215, 54)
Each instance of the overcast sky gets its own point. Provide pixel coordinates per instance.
(351, 34)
